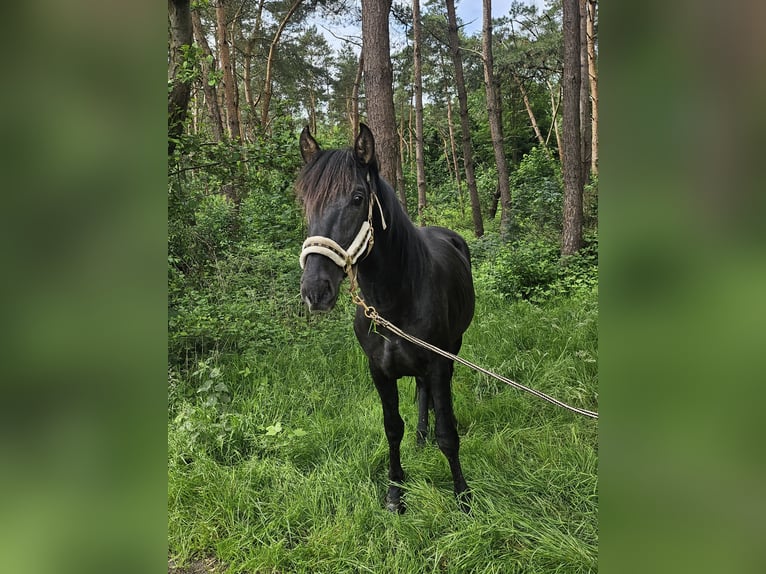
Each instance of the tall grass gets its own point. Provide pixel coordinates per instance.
(277, 460)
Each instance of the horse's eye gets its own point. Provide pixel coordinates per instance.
(357, 198)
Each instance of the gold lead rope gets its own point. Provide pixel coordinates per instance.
(371, 313)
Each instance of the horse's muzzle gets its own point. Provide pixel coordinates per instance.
(319, 285)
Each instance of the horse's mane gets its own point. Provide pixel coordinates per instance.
(329, 175)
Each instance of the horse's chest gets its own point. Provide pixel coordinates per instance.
(397, 358)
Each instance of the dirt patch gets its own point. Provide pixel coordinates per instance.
(203, 566)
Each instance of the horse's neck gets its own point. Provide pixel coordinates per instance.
(390, 275)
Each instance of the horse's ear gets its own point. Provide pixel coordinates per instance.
(364, 146)
(309, 146)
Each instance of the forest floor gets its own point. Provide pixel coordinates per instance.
(277, 459)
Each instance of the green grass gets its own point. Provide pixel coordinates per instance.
(283, 466)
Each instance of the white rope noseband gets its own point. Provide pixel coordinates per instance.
(344, 258)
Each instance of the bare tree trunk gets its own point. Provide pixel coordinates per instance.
(571, 160)
(267, 84)
(495, 121)
(247, 80)
(211, 95)
(247, 66)
(410, 143)
(478, 222)
(312, 112)
(419, 152)
(555, 105)
(229, 83)
(593, 80)
(585, 114)
(447, 158)
(179, 16)
(453, 147)
(355, 97)
(378, 82)
(531, 113)
(235, 32)
(403, 147)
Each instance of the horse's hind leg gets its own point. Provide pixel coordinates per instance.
(446, 433)
(423, 397)
(394, 425)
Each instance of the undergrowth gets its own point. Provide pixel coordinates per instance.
(277, 460)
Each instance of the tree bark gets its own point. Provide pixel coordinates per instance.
(247, 79)
(478, 222)
(229, 83)
(593, 81)
(555, 105)
(419, 152)
(267, 84)
(571, 240)
(247, 68)
(355, 97)
(585, 111)
(495, 121)
(211, 95)
(378, 83)
(453, 148)
(179, 15)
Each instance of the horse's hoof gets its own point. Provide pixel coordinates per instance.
(394, 504)
(464, 500)
(420, 439)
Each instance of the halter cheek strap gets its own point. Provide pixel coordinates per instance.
(344, 258)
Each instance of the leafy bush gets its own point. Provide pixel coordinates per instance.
(531, 268)
(537, 191)
(486, 184)
(247, 299)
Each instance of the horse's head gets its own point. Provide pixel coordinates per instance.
(335, 187)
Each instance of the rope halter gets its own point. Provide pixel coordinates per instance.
(344, 258)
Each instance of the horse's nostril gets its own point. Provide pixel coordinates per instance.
(318, 295)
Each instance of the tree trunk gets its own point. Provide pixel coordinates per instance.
(593, 81)
(179, 15)
(495, 122)
(253, 120)
(453, 148)
(378, 84)
(211, 95)
(267, 84)
(229, 83)
(247, 80)
(531, 113)
(555, 105)
(571, 161)
(355, 97)
(419, 152)
(585, 114)
(478, 223)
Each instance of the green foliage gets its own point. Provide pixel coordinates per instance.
(537, 192)
(246, 299)
(191, 57)
(296, 459)
(530, 268)
(486, 184)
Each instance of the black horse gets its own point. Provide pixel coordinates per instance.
(419, 278)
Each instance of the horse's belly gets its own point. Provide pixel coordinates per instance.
(398, 358)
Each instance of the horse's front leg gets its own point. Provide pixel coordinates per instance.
(394, 425)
